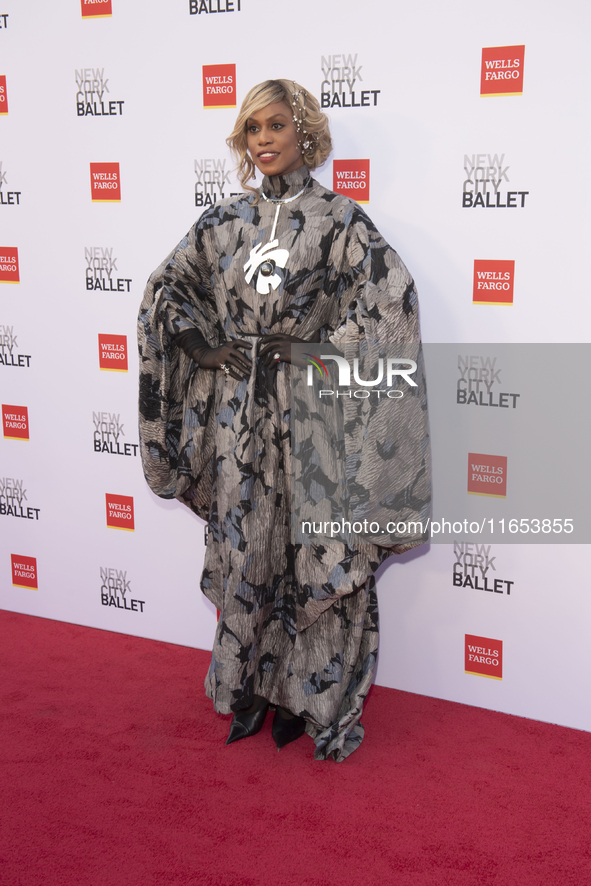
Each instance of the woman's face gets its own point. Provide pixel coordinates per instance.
(272, 140)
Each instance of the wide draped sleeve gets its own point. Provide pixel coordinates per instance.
(373, 454)
(377, 299)
(175, 396)
(387, 444)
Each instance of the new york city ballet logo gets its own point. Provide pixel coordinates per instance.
(3, 95)
(213, 181)
(120, 512)
(479, 383)
(387, 371)
(116, 590)
(109, 433)
(493, 282)
(211, 7)
(7, 198)
(15, 422)
(93, 95)
(96, 8)
(105, 183)
(24, 572)
(9, 270)
(342, 84)
(501, 72)
(483, 657)
(219, 86)
(351, 178)
(487, 184)
(474, 567)
(14, 501)
(102, 271)
(487, 475)
(112, 352)
(9, 355)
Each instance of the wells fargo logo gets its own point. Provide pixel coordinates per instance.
(351, 177)
(3, 95)
(219, 86)
(483, 657)
(9, 272)
(96, 8)
(113, 352)
(15, 422)
(493, 282)
(105, 183)
(120, 512)
(24, 571)
(487, 475)
(502, 71)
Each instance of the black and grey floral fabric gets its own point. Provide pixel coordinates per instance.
(298, 623)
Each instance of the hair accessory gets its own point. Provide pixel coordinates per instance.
(307, 140)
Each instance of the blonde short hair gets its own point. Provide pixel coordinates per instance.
(302, 104)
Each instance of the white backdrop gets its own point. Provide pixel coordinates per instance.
(420, 66)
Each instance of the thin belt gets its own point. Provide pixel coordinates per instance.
(261, 334)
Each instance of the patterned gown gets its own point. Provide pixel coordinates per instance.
(298, 623)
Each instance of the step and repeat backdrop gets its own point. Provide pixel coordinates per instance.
(464, 134)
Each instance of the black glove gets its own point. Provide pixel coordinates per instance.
(280, 343)
(227, 354)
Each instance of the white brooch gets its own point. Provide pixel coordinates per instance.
(269, 257)
(266, 257)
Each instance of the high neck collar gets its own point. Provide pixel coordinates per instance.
(283, 186)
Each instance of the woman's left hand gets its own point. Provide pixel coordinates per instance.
(276, 348)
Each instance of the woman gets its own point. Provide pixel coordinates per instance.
(289, 263)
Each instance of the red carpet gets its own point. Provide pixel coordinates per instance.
(115, 773)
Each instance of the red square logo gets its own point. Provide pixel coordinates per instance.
(483, 657)
(96, 8)
(15, 422)
(120, 512)
(502, 70)
(219, 86)
(105, 183)
(9, 265)
(113, 352)
(493, 282)
(351, 178)
(3, 95)
(24, 571)
(487, 475)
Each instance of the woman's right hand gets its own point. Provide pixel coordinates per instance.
(227, 354)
